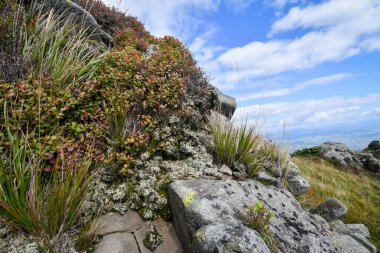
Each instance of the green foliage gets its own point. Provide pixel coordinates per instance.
(327, 180)
(46, 205)
(242, 144)
(258, 218)
(314, 151)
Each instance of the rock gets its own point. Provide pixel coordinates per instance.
(291, 170)
(298, 185)
(370, 162)
(225, 170)
(264, 178)
(227, 238)
(152, 238)
(330, 209)
(202, 206)
(170, 242)
(227, 103)
(339, 153)
(240, 173)
(80, 16)
(117, 243)
(374, 145)
(32, 248)
(340, 227)
(364, 241)
(359, 228)
(114, 222)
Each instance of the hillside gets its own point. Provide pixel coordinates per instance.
(114, 140)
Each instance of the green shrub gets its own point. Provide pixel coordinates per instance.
(44, 204)
(314, 151)
(258, 218)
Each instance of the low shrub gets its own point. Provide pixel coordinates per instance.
(258, 218)
(314, 151)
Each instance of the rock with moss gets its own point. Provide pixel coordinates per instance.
(202, 206)
(152, 238)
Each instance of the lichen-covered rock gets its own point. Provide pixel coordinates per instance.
(370, 162)
(330, 209)
(220, 238)
(197, 204)
(374, 145)
(226, 103)
(152, 239)
(340, 227)
(364, 241)
(339, 153)
(359, 228)
(298, 185)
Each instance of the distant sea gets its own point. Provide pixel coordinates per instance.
(356, 135)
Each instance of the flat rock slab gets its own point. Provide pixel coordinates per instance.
(117, 243)
(200, 206)
(170, 243)
(114, 222)
(126, 233)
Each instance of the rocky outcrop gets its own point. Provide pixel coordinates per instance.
(330, 209)
(80, 16)
(227, 104)
(202, 208)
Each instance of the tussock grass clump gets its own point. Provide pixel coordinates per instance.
(243, 144)
(361, 194)
(44, 204)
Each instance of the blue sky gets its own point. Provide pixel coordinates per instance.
(313, 66)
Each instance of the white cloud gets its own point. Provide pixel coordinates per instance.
(322, 111)
(286, 91)
(339, 29)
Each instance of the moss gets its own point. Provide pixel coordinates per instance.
(188, 199)
(152, 238)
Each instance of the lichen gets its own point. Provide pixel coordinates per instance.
(188, 199)
(152, 238)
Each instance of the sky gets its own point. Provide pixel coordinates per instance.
(309, 67)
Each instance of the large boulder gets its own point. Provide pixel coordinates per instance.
(202, 208)
(330, 209)
(339, 153)
(374, 145)
(80, 16)
(370, 162)
(227, 104)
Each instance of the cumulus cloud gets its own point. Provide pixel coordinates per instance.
(286, 91)
(322, 111)
(336, 30)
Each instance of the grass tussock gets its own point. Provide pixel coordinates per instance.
(45, 205)
(361, 194)
(243, 144)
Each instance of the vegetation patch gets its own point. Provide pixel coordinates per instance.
(361, 194)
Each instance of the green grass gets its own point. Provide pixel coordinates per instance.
(58, 48)
(361, 194)
(43, 205)
(243, 144)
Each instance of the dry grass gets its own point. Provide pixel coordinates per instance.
(361, 194)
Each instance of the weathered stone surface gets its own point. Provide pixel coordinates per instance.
(340, 227)
(81, 16)
(298, 185)
(227, 238)
(225, 170)
(330, 209)
(114, 222)
(117, 243)
(359, 228)
(364, 241)
(197, 204)
(170, 243)
(292, 170)
(339, 153)
(370, 162)
(263, 177)
(227, 104)
(374, 145)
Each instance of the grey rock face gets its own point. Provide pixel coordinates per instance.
(374, 145)
(340, 227)
(298, 185)
(221, 238)
(114, 222)
(81, 16)
(370, 162)
(339, 153)
(362, 240)
(359, 228)
(227, 104)
(330, 209)
(263, 177)
(117, 243)
(201, 206)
